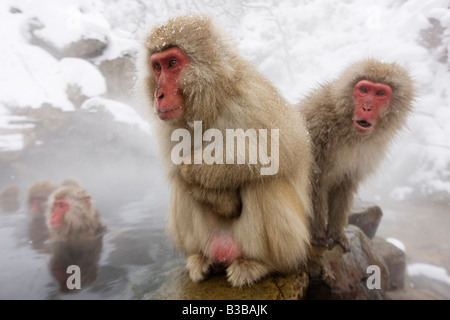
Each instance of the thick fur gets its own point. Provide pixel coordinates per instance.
(81, 221)
(224, 91)
(41, 189)
(344, 157)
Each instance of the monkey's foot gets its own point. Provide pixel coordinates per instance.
(244, 272)
(198, 266)
(343, 241)
(322, 242)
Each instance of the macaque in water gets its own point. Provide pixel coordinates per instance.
(37, 200)
(38, 195)
(72, 216)
(84, 254)
(228, 215)
(352, 121)
(76, 233)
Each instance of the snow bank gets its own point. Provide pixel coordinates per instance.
(82, 74)
(429, 271)
(11, 142)
(396, 243)
(120, 111)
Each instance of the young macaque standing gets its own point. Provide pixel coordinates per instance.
(236, 215)
(351, 121)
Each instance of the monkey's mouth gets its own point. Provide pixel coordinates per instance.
(364, 123)
(170, 110)
(362, 126)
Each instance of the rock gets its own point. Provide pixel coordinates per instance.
(395, 260)
(367, 217)
(216, 287)
(84, 47)
(338, 275)
(119, 74)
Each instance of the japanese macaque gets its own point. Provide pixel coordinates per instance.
(38, 195)
(9, 201)
(235, 216)
(37, 199)
(71, 216)
(351, 121)
(70, 182)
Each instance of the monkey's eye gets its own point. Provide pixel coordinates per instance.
(157, 67)
(380, 93)
(363, 90)
(172, 63)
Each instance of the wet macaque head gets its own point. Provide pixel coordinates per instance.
(37, 205)
(68, 209)
(167, 67)
(370, 99)
(60, 207)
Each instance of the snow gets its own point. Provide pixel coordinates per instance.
(65, 23)
(429, 271)
(120, 111)
(396, 243)
(296, 45)
(11, 142)
(82, 74)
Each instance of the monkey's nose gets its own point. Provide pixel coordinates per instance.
(160, 96)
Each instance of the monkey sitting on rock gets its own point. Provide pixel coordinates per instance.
(352, 121)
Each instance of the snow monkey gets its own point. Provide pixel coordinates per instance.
(71, 216)
(351, 120)
(233, 216)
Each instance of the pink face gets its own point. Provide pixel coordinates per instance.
(60, 207)
(370, 98)
(167, 66)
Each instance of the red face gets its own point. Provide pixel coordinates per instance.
(370, 98)
(60, 207)
(36, 205)
(167, 66)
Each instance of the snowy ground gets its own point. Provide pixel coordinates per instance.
(296, 44)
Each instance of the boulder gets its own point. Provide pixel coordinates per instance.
(395, 260)
(84, 47)
(335, 274)
(119, 74)
(216, 287)
(367, 217)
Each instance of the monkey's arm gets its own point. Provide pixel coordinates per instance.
(220, 176)
(223, 202)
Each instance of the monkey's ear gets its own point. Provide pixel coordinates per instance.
(87, 199)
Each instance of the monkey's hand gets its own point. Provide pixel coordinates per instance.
(219, 176)
(226, 203)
